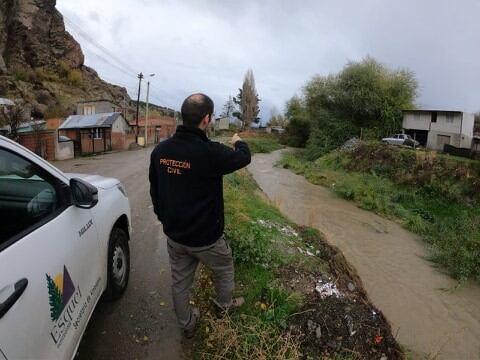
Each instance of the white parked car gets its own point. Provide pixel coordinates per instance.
(401, 139)
(63, 243)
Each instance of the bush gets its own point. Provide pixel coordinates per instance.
(74, 77)
(296, 133)
(45, 75)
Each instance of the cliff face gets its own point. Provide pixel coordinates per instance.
(42, 63)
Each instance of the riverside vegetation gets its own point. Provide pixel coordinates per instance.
(278, 266)
(434, 195)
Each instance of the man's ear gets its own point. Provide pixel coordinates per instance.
(205, 121)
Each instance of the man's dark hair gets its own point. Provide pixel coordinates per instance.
(194, 109)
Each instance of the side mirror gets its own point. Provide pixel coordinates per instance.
(84, 195)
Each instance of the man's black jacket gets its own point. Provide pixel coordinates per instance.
(186, 184)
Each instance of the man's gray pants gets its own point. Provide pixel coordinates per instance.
(184, 261)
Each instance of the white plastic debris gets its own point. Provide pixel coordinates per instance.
(327, 289)
(287, 230)
(309, 253)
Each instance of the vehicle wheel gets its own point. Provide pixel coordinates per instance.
(118, 264)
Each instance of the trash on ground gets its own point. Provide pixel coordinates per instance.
(327, 289)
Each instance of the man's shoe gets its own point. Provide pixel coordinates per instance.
(234, 304)
(190, 332)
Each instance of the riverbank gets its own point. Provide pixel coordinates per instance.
(430, 194)
(429, 313)
(303, 299)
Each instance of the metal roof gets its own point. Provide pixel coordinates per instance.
(90, 121)
(430, 111)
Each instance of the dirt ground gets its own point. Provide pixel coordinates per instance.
(142, 324)
(431, 315)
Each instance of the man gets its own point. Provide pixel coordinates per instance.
(186, 187)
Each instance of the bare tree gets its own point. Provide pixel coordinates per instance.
(229, 108)
(248, 101)
(12, 116)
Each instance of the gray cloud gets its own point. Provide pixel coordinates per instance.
(192, 46)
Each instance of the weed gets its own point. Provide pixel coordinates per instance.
(263, 144)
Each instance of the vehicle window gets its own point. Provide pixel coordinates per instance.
(395, 136)
(26, 197)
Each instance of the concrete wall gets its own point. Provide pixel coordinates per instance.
(120, 126)
(418, 121)
(447, 122)
(468, 125)
(99, 107)
(64, 150)
(434, 141)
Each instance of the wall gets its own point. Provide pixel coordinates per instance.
(468, 125)
(122, 141)
(53, 124)
(419, 121)
(120, 125)
(100, 107)
(432, 142)
(452, 126)
(64, 150)
(41, 143)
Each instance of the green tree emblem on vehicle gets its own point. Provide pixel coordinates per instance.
(55, 299)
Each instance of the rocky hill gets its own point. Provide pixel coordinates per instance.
(41, 63)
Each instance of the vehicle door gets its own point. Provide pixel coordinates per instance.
(49, 261)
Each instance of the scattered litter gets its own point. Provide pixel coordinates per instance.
(350, 325)
(351, 144)
(162, 303)
(351, 286)
(318, 332)
(327, 289)
(300, 250)
(145, 338)
(378, 339)
(284, 229)
(309, 253)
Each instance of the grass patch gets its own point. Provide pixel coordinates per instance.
(263, 144)
(431, 195)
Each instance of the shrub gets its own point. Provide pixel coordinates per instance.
(74, 77)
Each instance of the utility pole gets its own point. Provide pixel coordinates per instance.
(140, 77)
(146, 110)
(146, 113)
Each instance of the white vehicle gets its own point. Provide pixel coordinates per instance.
(401, 139)
(63, 243)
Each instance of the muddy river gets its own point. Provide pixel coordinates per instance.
(431, 317)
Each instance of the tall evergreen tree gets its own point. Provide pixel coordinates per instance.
(248, 100)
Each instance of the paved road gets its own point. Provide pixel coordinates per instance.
(142, 324)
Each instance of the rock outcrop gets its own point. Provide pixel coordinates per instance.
(42, 63)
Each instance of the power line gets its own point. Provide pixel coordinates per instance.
(117, 63)
(99, 46)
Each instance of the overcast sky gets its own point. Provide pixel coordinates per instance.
(207, 46)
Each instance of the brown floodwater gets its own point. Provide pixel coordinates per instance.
(430, 315)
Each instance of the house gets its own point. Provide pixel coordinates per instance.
(102, 106)
(434, 129)
(222, 123)
(97, 132)
(159, 127)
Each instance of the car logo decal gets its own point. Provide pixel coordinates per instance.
(60, 290)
